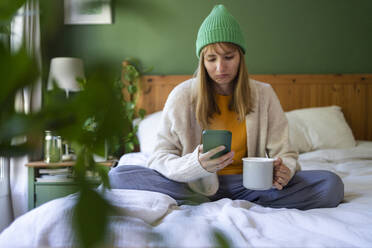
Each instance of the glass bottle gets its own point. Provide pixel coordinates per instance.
(56, 149)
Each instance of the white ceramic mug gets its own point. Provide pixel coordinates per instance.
(258, 173)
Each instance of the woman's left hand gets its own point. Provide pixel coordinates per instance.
(282, 174)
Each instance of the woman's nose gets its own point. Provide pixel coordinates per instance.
(220, 66)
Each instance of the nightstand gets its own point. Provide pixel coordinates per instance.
(41, 192)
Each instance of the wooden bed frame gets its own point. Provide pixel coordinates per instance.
(352, 92)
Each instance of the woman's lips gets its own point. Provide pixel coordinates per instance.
(222, 76)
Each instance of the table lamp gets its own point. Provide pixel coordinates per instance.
(64, 71)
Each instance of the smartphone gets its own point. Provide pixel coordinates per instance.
(214, 138)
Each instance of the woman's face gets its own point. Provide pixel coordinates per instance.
(222, 63)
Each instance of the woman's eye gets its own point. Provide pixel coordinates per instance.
(211, 60)
(229, 57)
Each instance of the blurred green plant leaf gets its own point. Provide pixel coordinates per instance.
(82, 82)
(90, 218)
(135, 140)
(16, 125)
(135, 129)
(131, 73)
(5, 30)
(132, 89)
(8, 8)
(141, 113)
(103, 173)
(7, 150)
(18, 70)
(90, 124)
(220, 239)
(129, 146)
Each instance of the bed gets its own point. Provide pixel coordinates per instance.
(322, 134)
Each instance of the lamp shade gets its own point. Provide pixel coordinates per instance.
(64, 71)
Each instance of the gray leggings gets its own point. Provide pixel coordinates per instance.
(306, 190)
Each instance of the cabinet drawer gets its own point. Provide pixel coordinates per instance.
(47, 192)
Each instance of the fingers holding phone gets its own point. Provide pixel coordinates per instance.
(215, 153)
(215, 164)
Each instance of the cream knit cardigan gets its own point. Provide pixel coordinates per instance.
(176, 153)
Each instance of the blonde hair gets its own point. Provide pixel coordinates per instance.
(206, 105)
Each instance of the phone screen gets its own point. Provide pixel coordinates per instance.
(214, 138)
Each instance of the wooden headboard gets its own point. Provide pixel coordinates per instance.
(352, 92)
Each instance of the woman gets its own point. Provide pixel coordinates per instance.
(221, 96)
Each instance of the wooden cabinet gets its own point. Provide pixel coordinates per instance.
(41, 192)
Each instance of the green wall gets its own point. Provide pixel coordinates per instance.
(283, 36)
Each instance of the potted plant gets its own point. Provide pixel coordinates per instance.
(130, 87)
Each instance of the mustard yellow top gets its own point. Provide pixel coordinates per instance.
(228, 120)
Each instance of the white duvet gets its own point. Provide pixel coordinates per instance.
(153, 219)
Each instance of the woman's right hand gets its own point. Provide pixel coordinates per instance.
(214, 165)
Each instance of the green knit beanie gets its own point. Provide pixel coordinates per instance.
(219, 26)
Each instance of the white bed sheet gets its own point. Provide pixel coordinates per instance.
(153, 219)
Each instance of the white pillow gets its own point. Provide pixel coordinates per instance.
(298, 133)
(147, 131)
(319, 128)
(309, 129)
